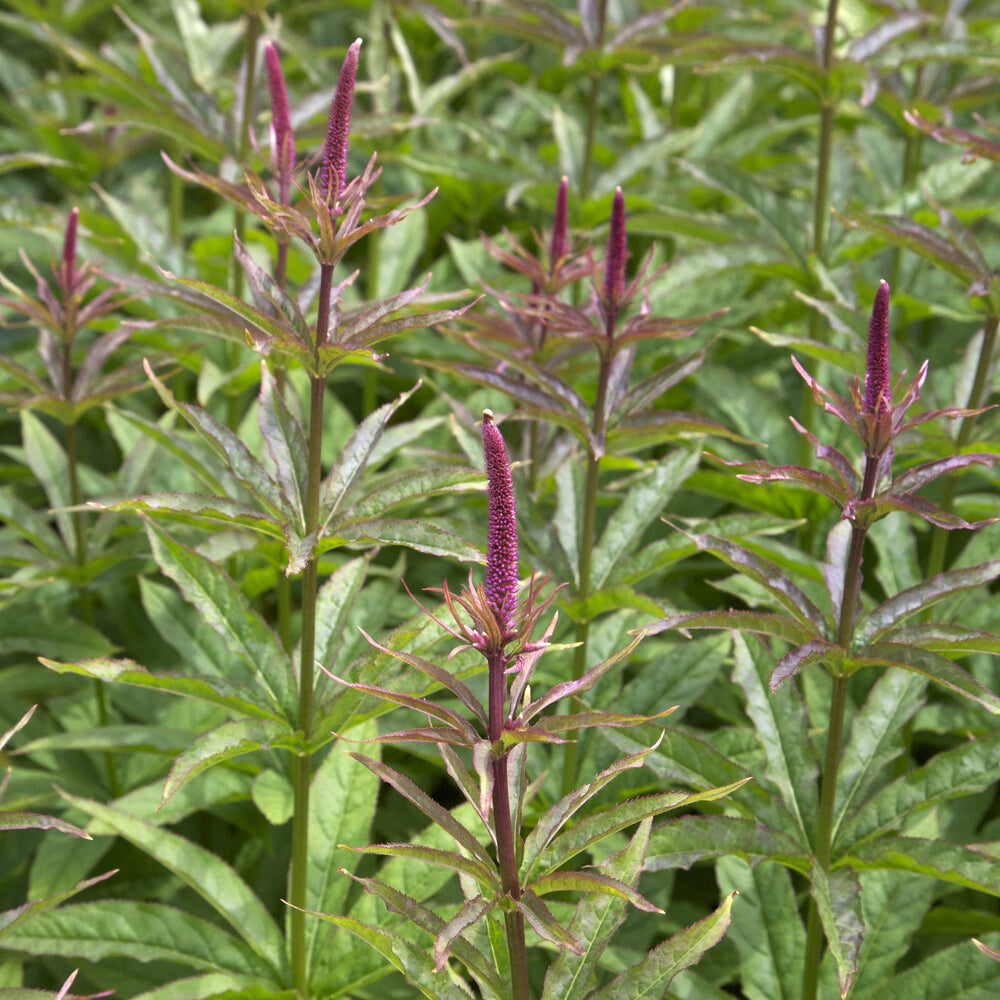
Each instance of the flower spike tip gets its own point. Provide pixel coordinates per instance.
(877, 393)
(501, 544)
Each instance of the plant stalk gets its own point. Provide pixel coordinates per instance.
(595, 90)
(302, 765)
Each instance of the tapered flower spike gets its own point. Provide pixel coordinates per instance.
(333, 174)
(614, 273)
(557, 248)
(877, 393)
(68, 275)
(282, 138)
(501, 543)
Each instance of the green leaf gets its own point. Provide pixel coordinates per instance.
(415, 484)
(875, 740)
(489, 881)
(640, 506)
(47, 461)
(334, 604)
(144, 932)
(273, 795)
(968, 768)
(422, 535)
(228, 740)
(779, 719)
(345, 795)
(216, 691)
(653, 975)
(10, 920)
(957, 973)
(210, 877)
(679, 843)
(223, 606)
(416, 964)
(217, 986)
(28, 626)
(935, 858)
(286, 444)
(354, 457)
(765, 622)
(767, 931)
(838, 900)
(543, 922)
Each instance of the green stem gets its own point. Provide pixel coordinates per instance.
(977, 397)
(595, 91)
(302, 765)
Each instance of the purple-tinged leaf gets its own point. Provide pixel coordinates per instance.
(654, 973)
(913, 504)
(763, 472)
(422, 535)
(937, 668)
(17, 819)
(881, 619)
(588, 720)
(17, 727)
(841, 464)
(271, 299)
(355, 454)
(987, 950)
(474, 960)
(765, 622)
(645, 394)
(429, 808)
(838, 543)
(838, 900)
(618, 380)
(951, 641)
(914, 478)
(815, 651)
(485, 876)
(977, 145)
(768, 575)
(215, 509)
(679, 843)
(469, 913)
(591, 882)
(545, 925)
(286, 444)
(93, 360)
(951, 863)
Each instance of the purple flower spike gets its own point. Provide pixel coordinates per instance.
(501, 544)
(557, 249)
(614, 274)
(282, 139)
(333, 175)
(877, 395)
(68, 275)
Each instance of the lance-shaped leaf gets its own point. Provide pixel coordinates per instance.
(544, 923)
(652, 976)
(270, 298)
(412, 485)
(796, 660)
(951, 641)
(594, 924)
(286, 444)
(469, 913)
(819, 482)
(144, 932)
(879, 622)
(334, 604)
(779, 719)
(645, 394)
(875, 740)
(224, 607)
(354, 456)
(398, 902)
(244, 700)
(765, 573)
(436, 813)
(765, 622)
(591, 882)
(422, 535)
(11, 920)
(915, 477)
(838, 900)
(595, 827)
(488, 880)
(247, 469)
(189, 508)
(228, 740)
(210, 877)
(938, 859)
(937, 668)
(969, 768)
(679, 843)
(637, 510)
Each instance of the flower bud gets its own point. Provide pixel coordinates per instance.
(501, 544)
(282, 138)
(877, 392)
(557, 248)
(333, 174)
(67, 274)
(614, 264)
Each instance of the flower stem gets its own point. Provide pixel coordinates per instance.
(302, 770)
(592, 109)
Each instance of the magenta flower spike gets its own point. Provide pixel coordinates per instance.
(877, 392)
(282, 138)
(557, 248)
(501, 543)
(68, 274)
(333, 173)
(614, 265)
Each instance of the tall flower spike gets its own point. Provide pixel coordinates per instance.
(333, 175)
(501, 543)
(557, 248)
(282, 139)
(877, 394)
(614, 264)
(68, 274)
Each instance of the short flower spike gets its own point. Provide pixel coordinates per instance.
(68, 275)
(614, 273)
(282, 138)
(333, 175)
(557, 248)
(877, 392)
(501, 544)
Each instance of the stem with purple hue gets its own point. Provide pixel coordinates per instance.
(835, 734)
(302, 769)
(506, 850)
(977, 398)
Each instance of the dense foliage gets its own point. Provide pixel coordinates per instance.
(708, 292)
